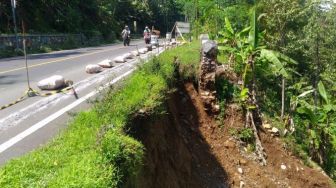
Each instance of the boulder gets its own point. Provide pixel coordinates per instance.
(91, 69)
(51, 83)
(107, 63)
(119, 59)
(210, 49)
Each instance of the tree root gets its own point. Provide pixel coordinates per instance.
(260, 152)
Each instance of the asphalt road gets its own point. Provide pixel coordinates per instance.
(34, 121)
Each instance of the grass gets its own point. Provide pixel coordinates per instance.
(95, 151)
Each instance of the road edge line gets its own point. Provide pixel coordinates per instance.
(8, 144)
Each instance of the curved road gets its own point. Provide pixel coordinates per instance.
(32, 122)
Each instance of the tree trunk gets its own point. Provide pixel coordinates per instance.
(317, 75)
(283, 85)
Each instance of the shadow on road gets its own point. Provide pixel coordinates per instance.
(8, 79)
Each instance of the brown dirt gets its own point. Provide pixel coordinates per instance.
(186, 148)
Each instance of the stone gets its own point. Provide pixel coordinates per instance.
(267, 126)
(216, 107)
(229, 144)
(240, 170)
(242, 184)
(242, 162)
(274, 130)
(283, 167)
(210, 49)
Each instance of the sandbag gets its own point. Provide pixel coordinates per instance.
(51, 83)
(119, 59)
(128, 56)
(149, 48)
(105, 63)
(173, 43)
(135, 53)
(143, 50)
(91, 69)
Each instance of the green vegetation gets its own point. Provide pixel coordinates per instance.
(95, 150)
(283, 52)
(90, 17)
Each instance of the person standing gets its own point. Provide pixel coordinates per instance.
(147, 35)
(126, 36)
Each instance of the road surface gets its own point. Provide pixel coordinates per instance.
(34, 121)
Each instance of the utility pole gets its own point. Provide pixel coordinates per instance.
(13, 3)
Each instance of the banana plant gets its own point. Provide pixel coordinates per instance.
(320, 122)
(231, 41)
(279, 66)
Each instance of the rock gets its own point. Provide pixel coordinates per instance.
(283, 167)
(242, 162)
(210, 49)
(240, 170)
(242, 184)
(216, 107)
(229, 144)
(274, 130)
(267, 126)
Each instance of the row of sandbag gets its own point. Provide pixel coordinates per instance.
(57, 81)
(107, 63)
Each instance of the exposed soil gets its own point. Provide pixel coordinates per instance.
(186, 148)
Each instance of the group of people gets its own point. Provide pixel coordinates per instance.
(126, 35)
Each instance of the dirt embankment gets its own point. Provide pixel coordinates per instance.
(186, 148)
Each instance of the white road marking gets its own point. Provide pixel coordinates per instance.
(37, 126)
